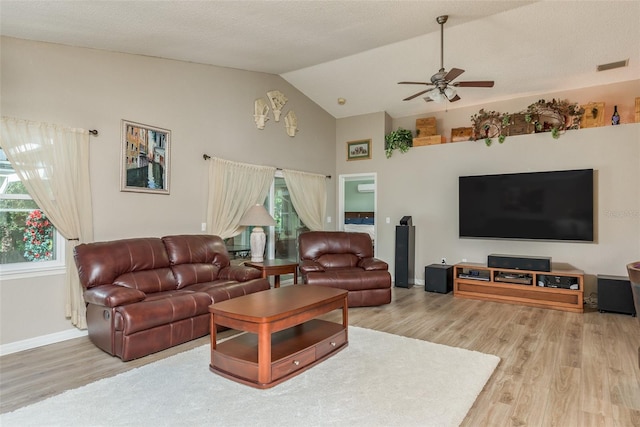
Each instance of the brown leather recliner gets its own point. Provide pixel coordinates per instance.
(345, 260)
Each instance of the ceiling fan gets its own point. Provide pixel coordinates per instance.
(442, 80)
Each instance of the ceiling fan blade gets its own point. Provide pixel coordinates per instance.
(485, 83)
(416, 95)
(415, 83)
(454, 99)
(453, 73)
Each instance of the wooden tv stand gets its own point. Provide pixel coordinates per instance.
(477, 281)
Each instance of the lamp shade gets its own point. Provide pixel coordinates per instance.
(449, 92)
(435, 95)
(257, 215)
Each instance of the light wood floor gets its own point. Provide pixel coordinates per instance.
(557, 368)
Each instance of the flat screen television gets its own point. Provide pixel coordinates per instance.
(556, 205)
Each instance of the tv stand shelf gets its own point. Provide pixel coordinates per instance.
(477, 281)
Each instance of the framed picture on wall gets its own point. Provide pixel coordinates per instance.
(146, 158)
(359, 150)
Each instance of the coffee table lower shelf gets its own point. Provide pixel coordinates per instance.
(293, 351)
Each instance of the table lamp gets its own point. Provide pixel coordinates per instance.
(258, 217)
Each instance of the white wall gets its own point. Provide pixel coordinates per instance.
(208, 110)
(423, 183)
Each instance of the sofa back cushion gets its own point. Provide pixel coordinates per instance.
(196, 258)
(149, 281)
(102, 263)
(335, 249)
(338, 260)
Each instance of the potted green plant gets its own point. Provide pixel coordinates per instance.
(400, 139)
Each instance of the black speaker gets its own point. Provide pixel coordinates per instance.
(406, 220)
(405, 258)
(519, 262)
(615, 295)
(438, 278)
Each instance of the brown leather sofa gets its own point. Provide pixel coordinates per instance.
(144, 295)
(345, 260)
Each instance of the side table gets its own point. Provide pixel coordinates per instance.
(276, 267)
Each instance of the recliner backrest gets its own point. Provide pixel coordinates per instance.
(335, 249)
(140, 263)
(196, 258)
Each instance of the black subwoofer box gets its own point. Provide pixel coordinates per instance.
(614, 295)
(438, 278)
(519, 262)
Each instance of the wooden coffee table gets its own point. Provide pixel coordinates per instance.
(284, 335)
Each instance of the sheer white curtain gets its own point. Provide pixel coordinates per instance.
(53, 164)
(309, 197)
(234, 188)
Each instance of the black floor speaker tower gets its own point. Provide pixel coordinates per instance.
(615, 295)
(438, 278)
(405, 254)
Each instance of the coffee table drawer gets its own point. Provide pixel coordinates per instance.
(293, 363)
(330, 344)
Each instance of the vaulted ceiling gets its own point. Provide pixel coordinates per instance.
(359, 50)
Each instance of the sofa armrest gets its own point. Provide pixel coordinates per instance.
(310, 266)
(239, 273)
(113, 295)
(370, 264)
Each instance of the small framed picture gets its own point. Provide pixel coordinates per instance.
(145, 159)
(359, 150)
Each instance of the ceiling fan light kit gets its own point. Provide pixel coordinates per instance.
(444, 88)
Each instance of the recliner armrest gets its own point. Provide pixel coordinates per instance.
(239, 273)
(113, 295)
(370, 264)
(310, 266)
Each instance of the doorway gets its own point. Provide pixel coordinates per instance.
(358, 204)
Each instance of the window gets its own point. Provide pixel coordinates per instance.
(281, 239)
(28, 240)
(288, 225)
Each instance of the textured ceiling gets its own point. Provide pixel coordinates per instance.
(359, 50)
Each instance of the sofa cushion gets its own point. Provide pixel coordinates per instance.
(159, 309)
(338, 260)
(196, 258)
(200, 248)
(222, 290)
(351, 279)
(188, 274)
(239, 273)
(101, 262)
(314, 244)
(112, 296)
(148, 281)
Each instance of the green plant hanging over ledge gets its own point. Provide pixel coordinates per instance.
(401, 139)
(553, 116)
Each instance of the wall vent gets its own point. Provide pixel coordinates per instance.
(613, 65)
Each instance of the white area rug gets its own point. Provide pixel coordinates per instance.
(378, 380)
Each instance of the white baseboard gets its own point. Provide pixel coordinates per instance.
(14, 347)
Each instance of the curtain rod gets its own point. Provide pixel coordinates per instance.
(93, 132)
(207, 157)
